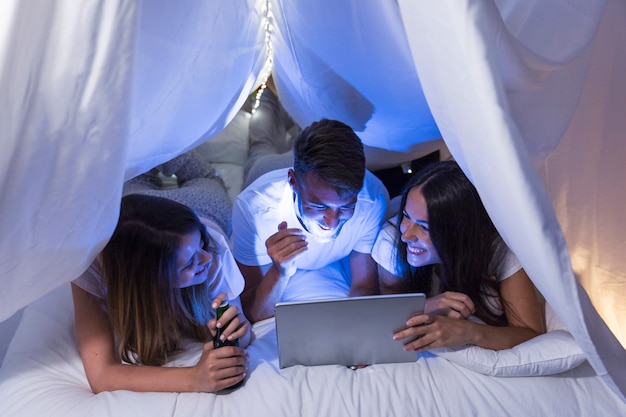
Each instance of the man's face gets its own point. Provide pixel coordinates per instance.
(320, 209)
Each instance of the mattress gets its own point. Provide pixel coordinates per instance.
(43, 376)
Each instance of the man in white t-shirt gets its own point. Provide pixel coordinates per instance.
(306, 232)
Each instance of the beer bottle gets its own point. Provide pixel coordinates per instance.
(217, 342)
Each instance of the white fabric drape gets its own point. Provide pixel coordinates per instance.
(503, 97)
(95, 92)
(528, 96)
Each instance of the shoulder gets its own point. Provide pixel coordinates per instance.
(229, 280)
(373, 198)
(373, 188)
(388, 230)
(92, 280)
(504, 262)
(386, 237)
(216, 232)
(270, 187)
(384, 251)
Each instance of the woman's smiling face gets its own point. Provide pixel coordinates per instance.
(415, 232)
(193, 261)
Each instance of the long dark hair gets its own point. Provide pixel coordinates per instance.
(148, 312)
(461, 232)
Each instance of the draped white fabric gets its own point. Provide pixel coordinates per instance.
(492, 98)
(529, 98)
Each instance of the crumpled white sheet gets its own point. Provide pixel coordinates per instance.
(43, 375)
(528, 96)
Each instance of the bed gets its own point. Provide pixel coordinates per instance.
(529, 96)
(42, 372)
(43, 375)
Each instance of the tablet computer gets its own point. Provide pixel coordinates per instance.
(345, 331)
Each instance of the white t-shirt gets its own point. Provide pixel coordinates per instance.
(228, 279)
(502, 266)
(264, 204)
(260, 208)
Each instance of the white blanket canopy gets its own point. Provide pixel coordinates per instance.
(528, 96)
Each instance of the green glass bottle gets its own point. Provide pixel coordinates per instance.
(217, 342)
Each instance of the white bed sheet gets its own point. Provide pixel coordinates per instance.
(43, 375)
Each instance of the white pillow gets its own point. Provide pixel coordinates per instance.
(232, 174)
(230, 146)
(550, 353)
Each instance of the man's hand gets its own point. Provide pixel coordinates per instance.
(284, 246)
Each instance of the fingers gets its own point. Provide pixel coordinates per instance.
(418, 333)
(285, 244)
(238, 331)
(430, 331)
(452, 304)
(229, 382)
(414, 327)
(229, 355)
(213, 324)
(228, 362)
(225, 366)
(225, 356)
(284, 232)
(421, 344)
(217, 301)
(420, 320)
(233, 324)
(454, 314)
(286, 238)
(461, 304)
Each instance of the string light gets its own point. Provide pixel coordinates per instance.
(266, 71)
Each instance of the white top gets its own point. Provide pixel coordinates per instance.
(228, 279)
(264, 204)
(503, 265)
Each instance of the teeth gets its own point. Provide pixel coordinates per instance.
(416, 251)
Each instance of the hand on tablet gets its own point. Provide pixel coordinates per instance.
(452, 304)
(429, 331)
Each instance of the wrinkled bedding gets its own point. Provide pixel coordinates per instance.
(43, 375)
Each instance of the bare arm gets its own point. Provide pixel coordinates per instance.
(522, 308)
(363, 274)
(263, 291)
(451, 304)
(387, 282)
(217, 368)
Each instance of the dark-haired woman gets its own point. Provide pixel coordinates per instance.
(444, 244)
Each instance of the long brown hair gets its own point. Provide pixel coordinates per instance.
(148, 312)
(461, 232)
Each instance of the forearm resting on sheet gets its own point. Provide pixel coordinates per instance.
(523, 312)
(501, 337)
(97, 350)
(216, 369)
(261, 292)
(139, 378)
